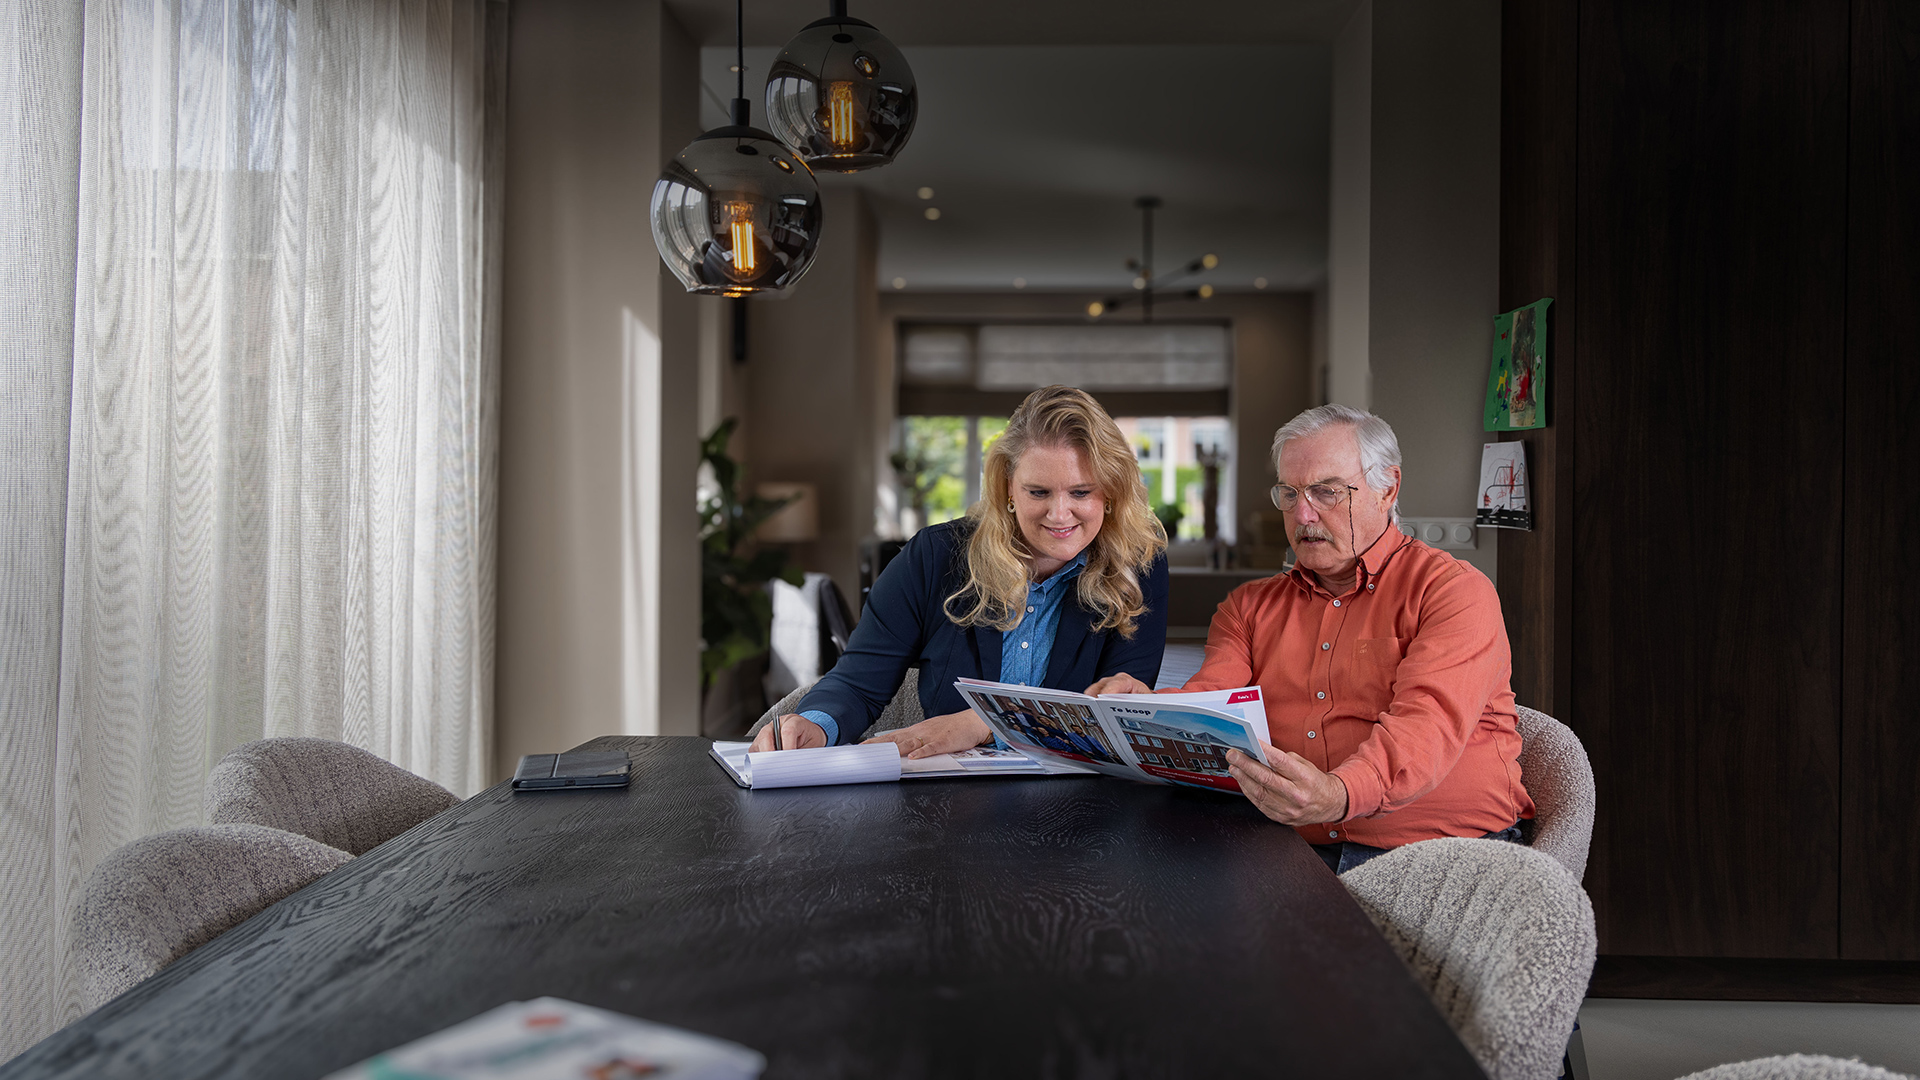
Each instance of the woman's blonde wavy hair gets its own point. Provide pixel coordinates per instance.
(995, 593)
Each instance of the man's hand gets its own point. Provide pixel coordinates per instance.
(1293, 791)
(1122, 683)
(962, 730)
(796, 733)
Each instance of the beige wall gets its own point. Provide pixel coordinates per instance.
(599, 583)
(809, 386)
(1349, 212)
(1272, 356)
(1430, 78)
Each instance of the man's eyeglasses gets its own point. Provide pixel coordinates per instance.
(1324, 497)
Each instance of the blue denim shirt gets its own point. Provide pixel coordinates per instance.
(1024, 650)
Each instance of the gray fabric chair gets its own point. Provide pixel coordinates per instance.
(162, 896)
(328, 791)
(1796, 1067)
(1500, 935)
(902, 711)
(1554, 767)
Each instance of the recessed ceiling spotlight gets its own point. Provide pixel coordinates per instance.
(899, 283)
(1259, 283)
(933, 213)
(1206, 292)
(925, 193)
(1019, 283)
(1139, 283)
(1209, 261)
(1094, 309)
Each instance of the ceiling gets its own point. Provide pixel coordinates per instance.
(1041, 123)
(1035, 22)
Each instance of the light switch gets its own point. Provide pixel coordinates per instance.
(1455, 534)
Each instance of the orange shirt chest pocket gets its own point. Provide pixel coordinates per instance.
(1371, 673)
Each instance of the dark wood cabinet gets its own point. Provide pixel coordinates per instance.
(1720, 597)
(1880, 681)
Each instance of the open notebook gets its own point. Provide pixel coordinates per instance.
(869, 763)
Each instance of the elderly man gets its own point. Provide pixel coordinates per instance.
(1383, 662)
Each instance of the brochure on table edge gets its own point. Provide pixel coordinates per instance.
(551, 1036)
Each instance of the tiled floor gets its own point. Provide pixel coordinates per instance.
(1661, 1040)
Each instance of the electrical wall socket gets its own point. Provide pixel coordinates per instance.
(1453, 533)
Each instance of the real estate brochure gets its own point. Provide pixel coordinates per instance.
(1166, 738)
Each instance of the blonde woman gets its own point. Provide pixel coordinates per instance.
(1057, 577)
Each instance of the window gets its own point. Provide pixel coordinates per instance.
(1165, 384)
(937, 465)
(1171, 451)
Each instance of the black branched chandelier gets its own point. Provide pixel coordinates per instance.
(1145, 285)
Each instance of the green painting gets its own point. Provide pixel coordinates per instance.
(1517, 383)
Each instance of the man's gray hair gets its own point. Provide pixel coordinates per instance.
(1379, 448)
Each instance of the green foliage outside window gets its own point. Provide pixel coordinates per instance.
(1187, 481)
(931, 464)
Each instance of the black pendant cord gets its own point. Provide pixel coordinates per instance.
(1146, 260)
(742, 110)
(837, 9)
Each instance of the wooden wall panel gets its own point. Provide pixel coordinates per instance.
(1539, 62)
(1707, 590)
(1880, 714)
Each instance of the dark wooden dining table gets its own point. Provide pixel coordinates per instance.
(1065, 927)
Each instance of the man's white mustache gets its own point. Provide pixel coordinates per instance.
(1308, 532)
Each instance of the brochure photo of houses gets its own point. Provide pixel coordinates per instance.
(1062, 727)
(1185, 747)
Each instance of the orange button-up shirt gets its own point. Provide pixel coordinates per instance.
(1399, 688)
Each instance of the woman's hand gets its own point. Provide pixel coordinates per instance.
(962, 730)
(1122, 683)
(796, 733)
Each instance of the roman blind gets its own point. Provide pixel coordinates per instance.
(1172, 369)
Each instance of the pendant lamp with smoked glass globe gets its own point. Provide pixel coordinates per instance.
(737, 212)
(841, 94)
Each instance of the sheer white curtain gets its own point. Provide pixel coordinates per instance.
(247, 348)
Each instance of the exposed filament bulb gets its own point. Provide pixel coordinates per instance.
(741, 215)
(840, 114)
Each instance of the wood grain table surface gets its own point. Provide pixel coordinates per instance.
(1066, 927)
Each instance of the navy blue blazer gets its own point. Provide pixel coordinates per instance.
(905, 625)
